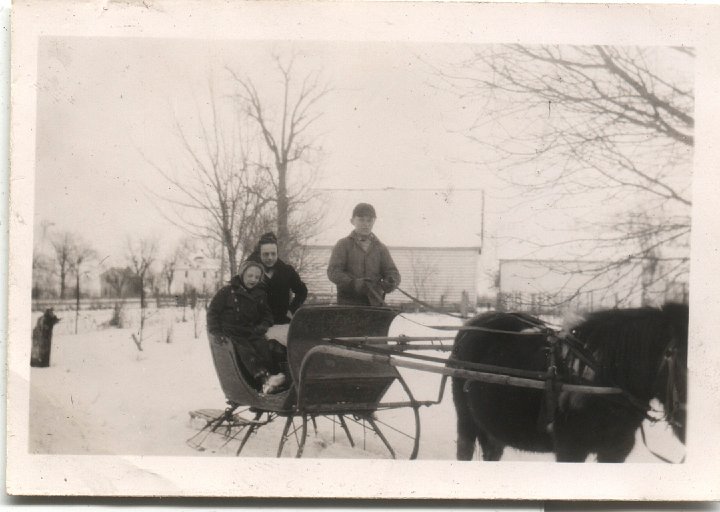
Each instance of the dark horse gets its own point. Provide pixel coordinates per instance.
(641, 351)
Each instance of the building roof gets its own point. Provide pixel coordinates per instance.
(407, 217)
(198, 262)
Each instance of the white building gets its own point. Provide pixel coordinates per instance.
(527, 284)
(200, 273)
(434, 237)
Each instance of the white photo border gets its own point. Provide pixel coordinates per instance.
(695, 26)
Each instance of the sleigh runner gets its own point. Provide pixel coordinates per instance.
(343, 363)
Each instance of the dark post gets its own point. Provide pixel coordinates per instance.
(464, 304)
(42, 339)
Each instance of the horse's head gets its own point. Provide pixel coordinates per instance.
(671, 384)
(644, 352)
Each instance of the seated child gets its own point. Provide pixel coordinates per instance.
(240, 312)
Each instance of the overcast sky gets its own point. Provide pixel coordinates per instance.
(107, 107)
(103, 103)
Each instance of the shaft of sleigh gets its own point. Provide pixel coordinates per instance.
(472, 375)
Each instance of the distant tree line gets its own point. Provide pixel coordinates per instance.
(66, 266)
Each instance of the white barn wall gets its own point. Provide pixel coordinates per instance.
(554, 281)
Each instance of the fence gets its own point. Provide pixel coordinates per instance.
(552, 304)
(105, 303)
(533, 303)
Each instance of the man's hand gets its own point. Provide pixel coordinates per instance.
(388, 284)
(261, 329)
(219, 339)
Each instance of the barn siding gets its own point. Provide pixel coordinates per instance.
(435, 275)
(530, 283)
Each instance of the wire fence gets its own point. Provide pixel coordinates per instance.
(533, 303)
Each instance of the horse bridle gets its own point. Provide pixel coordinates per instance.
(671, 404)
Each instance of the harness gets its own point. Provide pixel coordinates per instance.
(672, 392)
(570, 359)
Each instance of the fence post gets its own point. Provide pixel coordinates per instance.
(464, 304)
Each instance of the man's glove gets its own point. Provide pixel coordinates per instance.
(219, 339)
(388, 284)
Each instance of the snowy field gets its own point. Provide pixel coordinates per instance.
(102, 395)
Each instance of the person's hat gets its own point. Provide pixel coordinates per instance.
(364, 210)
(268, 238)
(247, 264)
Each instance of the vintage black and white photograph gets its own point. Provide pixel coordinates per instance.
(248, 251)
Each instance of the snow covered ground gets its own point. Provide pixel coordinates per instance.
(101, 395)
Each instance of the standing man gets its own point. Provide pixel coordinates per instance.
(280, 280)
(361, 265)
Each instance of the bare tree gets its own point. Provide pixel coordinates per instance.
(286, 132)
(423, 268)
(170, 263)
(168, 270)
(42, 268)
(82, 253)
(118, 280)
(219, 192)
(305, 215)
(63, 244)
(606, 131)
(141, 255)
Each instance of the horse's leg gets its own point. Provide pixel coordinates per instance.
(569, 447)
(467, 431)
(570, 454)
(491, 449)
(619, 450)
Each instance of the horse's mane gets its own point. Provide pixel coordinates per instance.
(628, 343)
(511, 321)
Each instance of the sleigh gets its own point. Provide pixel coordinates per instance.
(345, 387)
(344, 369)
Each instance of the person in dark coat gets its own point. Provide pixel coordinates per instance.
(239, 313)
(280, 280)
(361, 265)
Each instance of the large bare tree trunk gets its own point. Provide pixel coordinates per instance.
(282, 210)
(62, 284)
(232, 256)
(287, 134)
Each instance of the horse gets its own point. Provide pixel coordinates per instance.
(641, 351)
